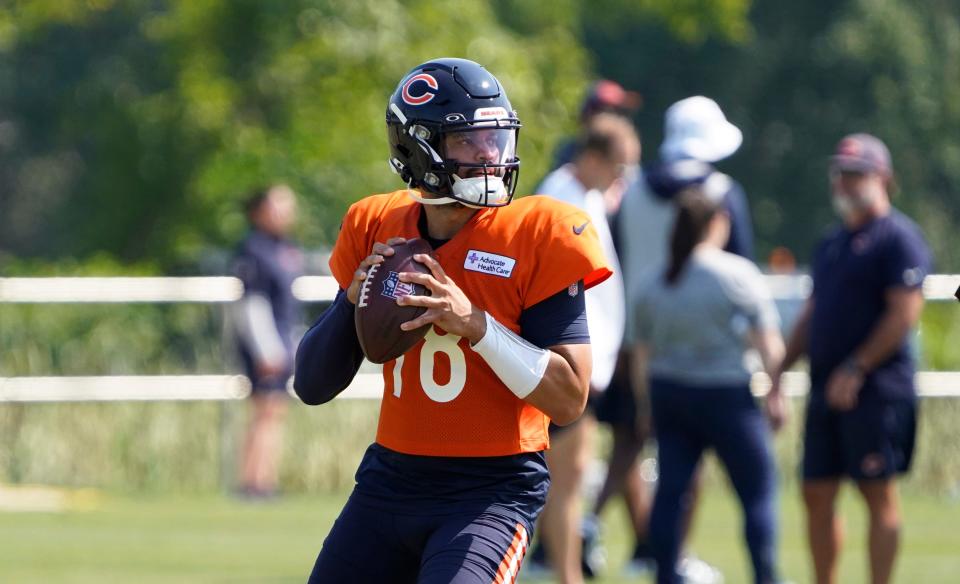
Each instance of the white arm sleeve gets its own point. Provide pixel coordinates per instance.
(253, 319)
(519, 364)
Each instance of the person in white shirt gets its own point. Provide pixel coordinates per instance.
(593, 182)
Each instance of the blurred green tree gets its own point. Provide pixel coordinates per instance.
(131, 128)
(134, 127)
(800, 77)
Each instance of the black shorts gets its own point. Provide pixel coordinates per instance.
(617, 406)
(875, 440)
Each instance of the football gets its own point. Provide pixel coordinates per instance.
(378, 316)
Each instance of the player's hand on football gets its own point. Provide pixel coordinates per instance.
(379, 251)
(447, 306)
(843, 388)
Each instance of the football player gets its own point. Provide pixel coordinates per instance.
(451, 488)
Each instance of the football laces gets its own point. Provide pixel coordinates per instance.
(365, 287)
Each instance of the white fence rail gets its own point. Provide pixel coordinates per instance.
(930, 384)
(367, 385)
(153, 388)
(120, 290)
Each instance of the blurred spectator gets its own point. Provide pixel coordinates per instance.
(781, 261)
(696, 134)
(604, 97)
(697, 131)
(608, 147)
(698, 319)
(265, 318)
(861, 415)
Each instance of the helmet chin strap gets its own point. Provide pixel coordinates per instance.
(438, 201)
(421, 199)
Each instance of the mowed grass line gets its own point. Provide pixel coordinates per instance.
(167, 539)
(210, 539)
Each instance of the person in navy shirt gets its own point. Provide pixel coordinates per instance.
(265, 322)
(861, 414)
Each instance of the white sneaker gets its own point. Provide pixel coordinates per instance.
(696, 571)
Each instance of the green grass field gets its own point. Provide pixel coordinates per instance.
(213, 539)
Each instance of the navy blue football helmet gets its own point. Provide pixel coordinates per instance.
(453, 133)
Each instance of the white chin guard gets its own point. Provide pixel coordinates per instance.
(480, 190)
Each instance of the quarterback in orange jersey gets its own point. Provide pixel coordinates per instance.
(451, 488)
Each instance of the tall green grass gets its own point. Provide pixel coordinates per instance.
(191, 446)
(111, 339)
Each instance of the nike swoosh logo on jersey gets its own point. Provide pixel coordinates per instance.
(579, 230)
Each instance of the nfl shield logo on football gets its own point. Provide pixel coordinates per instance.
(394, 288)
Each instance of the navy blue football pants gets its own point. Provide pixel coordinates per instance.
(688, 420)
(373, 546)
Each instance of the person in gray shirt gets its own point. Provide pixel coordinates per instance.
(704, 321)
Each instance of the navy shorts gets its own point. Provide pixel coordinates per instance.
(872, 441)
(260, 384)
(368, 546)
(432, 520)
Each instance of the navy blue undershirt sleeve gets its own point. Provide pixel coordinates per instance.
(329, 354)
(559, 320)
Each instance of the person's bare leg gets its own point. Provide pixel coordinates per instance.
(567, 459)
(621, 465)
(824, 528)
(248, 464)
(260, 468)
(637, 497)
(883, 503)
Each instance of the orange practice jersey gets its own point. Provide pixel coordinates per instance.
(441, 398)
